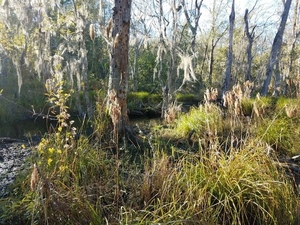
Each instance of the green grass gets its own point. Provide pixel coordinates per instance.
(180, 97)
(245, 187)
(202, 121)
(138, 100)
(281, 133)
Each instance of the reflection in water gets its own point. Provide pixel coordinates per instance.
(37, 128)
(22, 129)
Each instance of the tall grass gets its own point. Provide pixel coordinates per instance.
(202, 121)
(245, 187)
(81, 179)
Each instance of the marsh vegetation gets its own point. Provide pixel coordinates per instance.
(224, 91)
(211, 165)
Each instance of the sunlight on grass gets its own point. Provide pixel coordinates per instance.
(243, 188)
(201, 121)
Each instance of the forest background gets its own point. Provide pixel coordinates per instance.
(230, 163)
(181, 45)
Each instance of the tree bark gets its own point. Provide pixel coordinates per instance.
(277, 80)
(250, 37)
(211, 62)
(293, 53)
(276, 48)
(118, 77)
(227, 81)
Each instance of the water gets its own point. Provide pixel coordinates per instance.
(20, 129)
(37, 128)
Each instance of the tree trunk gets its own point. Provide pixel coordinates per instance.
(172, 50)
(276, 48)
(211, 62)
(197, 15)
(276, 91)
(227, 81)
(293, 52)
(118, 77)
(250, 37)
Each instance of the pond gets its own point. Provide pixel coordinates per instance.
(37, 128)
(20, 129)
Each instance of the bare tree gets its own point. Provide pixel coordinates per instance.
(227, 81)
(118, 79)
(276, 48)
(215, 34)
(197, 14)
(250, 36)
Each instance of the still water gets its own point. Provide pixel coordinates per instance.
(37, 128)
(20, 129)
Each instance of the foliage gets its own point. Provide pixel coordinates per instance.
(287, 107)
(101, 121)
(143, 77)
(142, 96)
(247, 106)
(69, 169)
(87, 178)
(280, 128)
(202, 122)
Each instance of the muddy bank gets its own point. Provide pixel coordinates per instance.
(13, 155)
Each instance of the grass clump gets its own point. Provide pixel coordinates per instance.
(247, 106)
(181, 97)
(138, 100)
(249, 189)
(142, 96)
(288, 107)
(155, 98)
(202, 121)
(280, 133)
(245, 187)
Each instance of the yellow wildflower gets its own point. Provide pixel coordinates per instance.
(23, 146)
(62, 168)
(51, 150)
(49, 161)
(59, 151)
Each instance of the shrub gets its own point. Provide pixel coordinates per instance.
(143, 96)
(137, 100)
(155, 98)
(70, 169)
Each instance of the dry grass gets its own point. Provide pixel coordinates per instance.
(173, 111)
